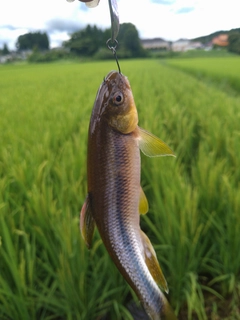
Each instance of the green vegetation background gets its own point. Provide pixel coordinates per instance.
(46, 272)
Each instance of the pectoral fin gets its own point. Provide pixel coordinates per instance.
(152, 263)
(87, 223)
(152, 146)
(143, 203)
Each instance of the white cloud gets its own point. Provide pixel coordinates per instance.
(169, 19)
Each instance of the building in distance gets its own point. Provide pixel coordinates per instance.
(156, 44)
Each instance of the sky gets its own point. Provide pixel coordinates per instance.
(167, 19)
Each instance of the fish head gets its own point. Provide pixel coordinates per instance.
(116, 103)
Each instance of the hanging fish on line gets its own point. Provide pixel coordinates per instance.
(115, 197)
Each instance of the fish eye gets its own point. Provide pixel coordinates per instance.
(117, 98)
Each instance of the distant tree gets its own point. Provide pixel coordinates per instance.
(129, 40)
(208, 38)
(5, 50)
(85, 42)
(91, 41)
(31, 40)
(234, 42)
(47, 56)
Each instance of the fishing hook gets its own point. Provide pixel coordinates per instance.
(113, 48)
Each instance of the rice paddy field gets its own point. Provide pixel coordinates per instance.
(46, 272)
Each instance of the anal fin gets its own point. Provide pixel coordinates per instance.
(152, 263)
(87, 223)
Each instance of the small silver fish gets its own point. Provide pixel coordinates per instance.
(115, 197)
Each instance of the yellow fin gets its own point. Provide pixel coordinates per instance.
(152, 146)
(143, 203)
(152, 263)
(87, 223)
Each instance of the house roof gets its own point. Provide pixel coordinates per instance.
(221, 40)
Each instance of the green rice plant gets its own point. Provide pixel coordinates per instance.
(222, 71)
(43, 170)
(206, 131)
(46, 272)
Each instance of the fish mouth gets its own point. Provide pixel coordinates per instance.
(112, 75)
(115, 79)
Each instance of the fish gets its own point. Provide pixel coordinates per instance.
(115, 197)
